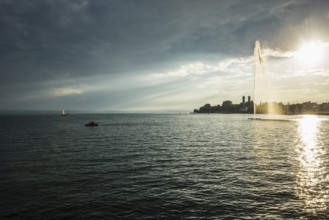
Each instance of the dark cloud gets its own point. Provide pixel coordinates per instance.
(44, 41)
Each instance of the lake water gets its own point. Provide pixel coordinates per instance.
(153, 166)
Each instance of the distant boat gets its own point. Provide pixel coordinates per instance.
(63, 113)
(91, 124)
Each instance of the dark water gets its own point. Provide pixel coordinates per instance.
(163, 167)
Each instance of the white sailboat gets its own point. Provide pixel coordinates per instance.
(63, 113)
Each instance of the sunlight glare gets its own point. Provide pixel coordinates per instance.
(311, 53)
(308, 130)
(311, 177)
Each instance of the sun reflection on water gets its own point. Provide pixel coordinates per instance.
(311, 181)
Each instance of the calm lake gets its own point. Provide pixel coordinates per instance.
(163, 166)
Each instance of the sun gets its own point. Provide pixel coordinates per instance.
(311, 53)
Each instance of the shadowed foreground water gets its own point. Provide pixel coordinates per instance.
(144, 166)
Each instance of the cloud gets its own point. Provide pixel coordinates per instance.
(277, 53)
(211, 82)
(198, 68)
(110, 44)
(65, 91)
(234, 65)
(83, 37)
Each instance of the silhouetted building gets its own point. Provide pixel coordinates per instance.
(246, 107)
(227, 103)
(324, 107)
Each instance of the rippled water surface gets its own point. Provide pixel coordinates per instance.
(152, 166)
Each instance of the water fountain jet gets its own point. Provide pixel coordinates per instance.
(260, 71)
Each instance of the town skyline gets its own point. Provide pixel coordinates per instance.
(247, 106)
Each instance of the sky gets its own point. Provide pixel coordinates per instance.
(155, 55)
